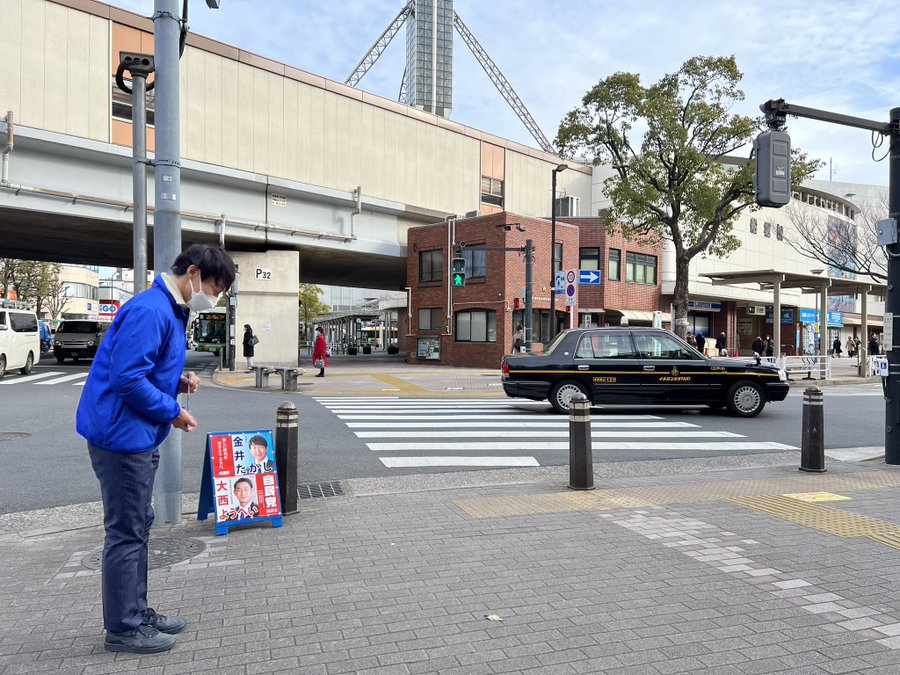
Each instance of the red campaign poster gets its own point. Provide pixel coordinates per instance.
(222, 455)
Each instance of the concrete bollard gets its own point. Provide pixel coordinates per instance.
(581, 461)
(287, 451)
(812, 445)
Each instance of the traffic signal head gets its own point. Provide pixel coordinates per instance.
(458, 272)
(772, 181)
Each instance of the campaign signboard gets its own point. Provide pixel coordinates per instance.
(240, 482)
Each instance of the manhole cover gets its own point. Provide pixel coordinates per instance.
(312, 490)
(13, 436)
(164, 551)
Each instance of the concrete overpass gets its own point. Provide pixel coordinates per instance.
(68, 199)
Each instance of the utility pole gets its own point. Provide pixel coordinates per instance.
(167, 216)
(776, 112)
(529, 299)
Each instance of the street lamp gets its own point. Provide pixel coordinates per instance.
(556, 170)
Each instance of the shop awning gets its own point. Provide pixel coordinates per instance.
(640, 315)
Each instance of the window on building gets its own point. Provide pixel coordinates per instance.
(767, 229)
(779, 232)
(431, 264)
(540, 323)
(121, 103)
(615, 264)
(477, 325)
(589, 259)
(557, 257)
(73, 289)
(640, 268)
(492, 191)
(475, 262)
(753, 226)
(430, 318)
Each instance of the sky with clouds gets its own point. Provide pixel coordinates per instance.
(839, 56)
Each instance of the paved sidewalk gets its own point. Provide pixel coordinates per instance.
(684, 566)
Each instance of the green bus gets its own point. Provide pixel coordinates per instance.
(210, 331)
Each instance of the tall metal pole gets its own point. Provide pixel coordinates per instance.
(167, 217)
(529, 299)
(552, 258)
(892, 306)
(139, 178)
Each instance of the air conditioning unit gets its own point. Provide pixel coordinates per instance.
(567, 206)
(756, 310)
(473, 214)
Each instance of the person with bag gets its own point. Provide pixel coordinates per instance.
(250, 341)
(320, 352)
(722, 344)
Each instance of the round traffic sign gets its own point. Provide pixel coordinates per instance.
(570, 276)
(570, 290)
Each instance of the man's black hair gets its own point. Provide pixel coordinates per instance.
(242, 480)
(213, 262)
(259, 440)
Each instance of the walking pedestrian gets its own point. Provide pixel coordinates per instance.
(722, 344)
(701, 343)
(770, 346)
(320, 352)
(758, 346)
(127, 408)
(250, 341)
(518, 339)
(873, 345)
(836, 347)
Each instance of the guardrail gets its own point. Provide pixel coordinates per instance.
(807, 365)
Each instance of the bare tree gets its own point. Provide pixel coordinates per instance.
(844, 247)
(57, 298)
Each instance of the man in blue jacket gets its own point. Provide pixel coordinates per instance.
(126, 410)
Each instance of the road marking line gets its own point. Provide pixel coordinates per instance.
(603, 445)
(561, 433)
(414, 462)
(60, 380)
(503, 416)
(488, 422)
(32, 378)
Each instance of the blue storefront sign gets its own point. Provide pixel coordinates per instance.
(787, 315)
(704, 306)
(809, 316)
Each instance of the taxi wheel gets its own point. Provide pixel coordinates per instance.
(562, 393)
(745, 399)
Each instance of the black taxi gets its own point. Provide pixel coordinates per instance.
(633, 365)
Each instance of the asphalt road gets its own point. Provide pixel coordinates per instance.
(47, 463)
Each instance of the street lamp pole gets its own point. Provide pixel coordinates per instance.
(556, 170)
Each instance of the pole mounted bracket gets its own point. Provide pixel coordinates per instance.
(139, 65)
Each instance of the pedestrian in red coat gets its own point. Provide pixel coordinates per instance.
(320, 352)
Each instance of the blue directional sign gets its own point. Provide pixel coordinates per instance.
(589, 276)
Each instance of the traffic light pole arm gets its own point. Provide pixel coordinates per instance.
(777, 110)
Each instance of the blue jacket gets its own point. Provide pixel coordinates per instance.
(128, 402)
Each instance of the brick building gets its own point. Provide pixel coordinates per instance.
(477, 328)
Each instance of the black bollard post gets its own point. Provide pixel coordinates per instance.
(287, 450)
(812, 445)
(581, 461)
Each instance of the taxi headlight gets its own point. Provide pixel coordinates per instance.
(782, 375)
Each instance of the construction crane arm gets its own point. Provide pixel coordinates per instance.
(380, 45)
(502, 84)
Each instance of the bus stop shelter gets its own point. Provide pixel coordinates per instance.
(774, 281)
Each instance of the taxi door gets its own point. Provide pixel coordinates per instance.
(671, 370)
(608, 366)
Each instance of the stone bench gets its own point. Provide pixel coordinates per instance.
(288, 374)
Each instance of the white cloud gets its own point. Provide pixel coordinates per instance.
(828, 54)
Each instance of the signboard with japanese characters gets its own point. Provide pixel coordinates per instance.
(240, 482)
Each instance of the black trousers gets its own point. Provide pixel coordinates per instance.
(126, 484)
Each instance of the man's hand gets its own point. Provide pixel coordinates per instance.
(188, 384)
(185, 421)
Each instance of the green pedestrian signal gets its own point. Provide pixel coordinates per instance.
(458, 272)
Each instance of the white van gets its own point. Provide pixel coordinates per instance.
(20, 340)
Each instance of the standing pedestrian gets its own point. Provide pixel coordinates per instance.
(770, 346)
(127, 409)
(722, 344)
(850, 345)
(320, 349)
(691, 340)
(249, 343)
(758, 346)
(701, 343)
(836, 347)
(873, 345)
(518, 339)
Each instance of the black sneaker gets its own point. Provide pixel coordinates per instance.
(161, 622)
(144, 640)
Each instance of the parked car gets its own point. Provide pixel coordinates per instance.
(633, 365)
(20, 340)
(79, 338)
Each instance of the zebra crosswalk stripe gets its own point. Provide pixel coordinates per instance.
(67, 378)
(30, 378)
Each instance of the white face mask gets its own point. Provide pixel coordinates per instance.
(200, 301)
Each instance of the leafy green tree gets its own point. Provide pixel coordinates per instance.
(677, 184)
(310, 304)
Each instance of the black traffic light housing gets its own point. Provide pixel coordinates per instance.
(458, 272)
(772, 181)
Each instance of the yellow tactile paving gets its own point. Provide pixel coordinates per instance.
(818, 517)
(564, 500)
